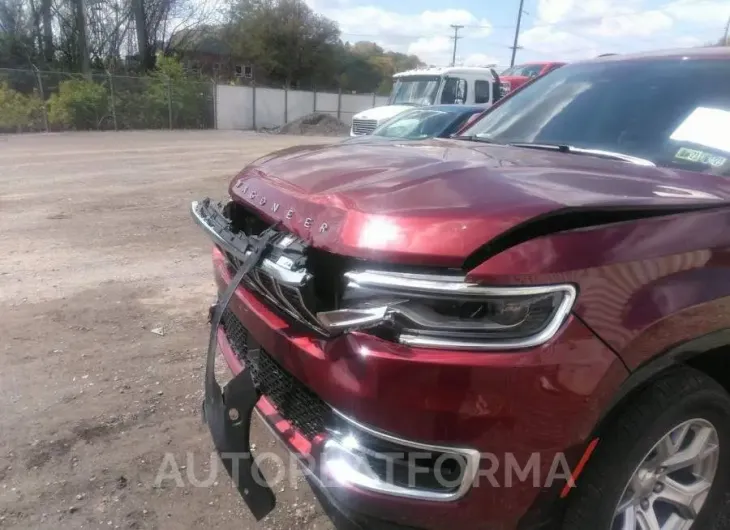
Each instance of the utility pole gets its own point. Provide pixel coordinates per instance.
(517, 33)
(456, 38)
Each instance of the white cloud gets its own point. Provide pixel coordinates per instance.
(632, 24)
(558, 30)
(439, 51)
(553, 44)
(560, 11)
(577, 29)
(433, 50)
(478, 59)
(603, 18)
(687, 41)
(426, 34)
(712, 13)
(379, 22)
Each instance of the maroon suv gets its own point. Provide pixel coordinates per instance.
(527, 325)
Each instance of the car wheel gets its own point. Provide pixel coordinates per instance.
(664, 464)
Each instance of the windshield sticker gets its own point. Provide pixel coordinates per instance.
(705, 126)
(695, 155)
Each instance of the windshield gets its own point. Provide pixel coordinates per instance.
(672, 112)
(526, 70)
(414, 90)
(417, 123)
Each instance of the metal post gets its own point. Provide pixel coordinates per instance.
(339, 102)
(314, 100)
(253, 91)
(215, 104)
(169, 101)
(286, 103)
(111, 91)
(375, 101)
(517, 33)
(42, 96)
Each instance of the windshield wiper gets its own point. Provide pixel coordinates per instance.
(475, 138)
(565, 148)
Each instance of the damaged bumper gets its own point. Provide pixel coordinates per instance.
(359, 381)
(228, 411)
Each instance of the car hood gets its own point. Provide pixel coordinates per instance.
(437, 201)
(381, 113)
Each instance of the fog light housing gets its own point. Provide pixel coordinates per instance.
(364, 458)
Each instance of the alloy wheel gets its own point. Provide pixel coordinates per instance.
(671, 484)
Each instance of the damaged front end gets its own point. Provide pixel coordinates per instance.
(228, 411)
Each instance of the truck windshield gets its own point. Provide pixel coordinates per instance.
(674, 112)
(417, 123)
(415, 90)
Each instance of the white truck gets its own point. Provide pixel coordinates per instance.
(431, 86)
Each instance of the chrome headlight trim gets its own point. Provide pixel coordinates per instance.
(396, 283)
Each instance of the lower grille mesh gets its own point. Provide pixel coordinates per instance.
(294, 401)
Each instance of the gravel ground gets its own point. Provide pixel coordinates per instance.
(316, 124)
(98, 250)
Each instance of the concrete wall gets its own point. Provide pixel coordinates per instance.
(244, 108)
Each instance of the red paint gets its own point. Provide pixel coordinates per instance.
(435, 202)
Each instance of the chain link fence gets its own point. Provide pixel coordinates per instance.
(34, 100)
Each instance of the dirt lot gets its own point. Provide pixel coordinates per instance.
(98, 249)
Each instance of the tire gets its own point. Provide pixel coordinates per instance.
(673, 400)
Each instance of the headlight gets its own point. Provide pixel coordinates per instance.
(446, 312)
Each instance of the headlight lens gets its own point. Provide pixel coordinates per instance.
(446, 312)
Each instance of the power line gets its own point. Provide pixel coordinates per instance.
(456, 39)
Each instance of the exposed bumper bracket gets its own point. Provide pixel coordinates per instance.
(228, 411)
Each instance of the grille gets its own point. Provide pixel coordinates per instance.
(360, 127)
(286, 299)
(294, 401)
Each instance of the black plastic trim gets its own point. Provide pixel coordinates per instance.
(673, 357)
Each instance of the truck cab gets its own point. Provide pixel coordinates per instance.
(431, 86)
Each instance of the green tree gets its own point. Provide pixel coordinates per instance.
(369, 68)
(79, 104)
(18, 112)
(285, 40)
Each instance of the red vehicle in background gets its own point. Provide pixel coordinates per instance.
(518, 75)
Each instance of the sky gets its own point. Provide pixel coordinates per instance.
(564, 30)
